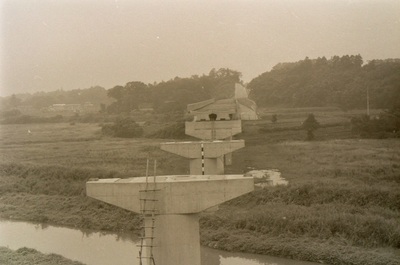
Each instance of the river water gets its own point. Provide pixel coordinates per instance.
(97, 248)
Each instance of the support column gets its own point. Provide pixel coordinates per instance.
(211, 166)
(176, 239)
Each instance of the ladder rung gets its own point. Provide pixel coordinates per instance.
(145, 246)
(144, 237)
(145, 257)
(147, 227)
(148, 190)
(149, 200)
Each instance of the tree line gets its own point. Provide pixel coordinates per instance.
(96, 95)
(175, 94)
(340, 81)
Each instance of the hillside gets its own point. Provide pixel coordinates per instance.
(339, 81)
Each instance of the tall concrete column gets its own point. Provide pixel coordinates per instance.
(176, 239)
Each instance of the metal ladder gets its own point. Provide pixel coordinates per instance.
(148, 209)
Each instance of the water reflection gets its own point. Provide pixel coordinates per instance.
(41, 226)
(218, 257)
(101, 248)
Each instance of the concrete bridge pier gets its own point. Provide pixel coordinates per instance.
(174, 202)
(206, 157)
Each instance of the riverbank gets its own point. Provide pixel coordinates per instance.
(342, 205)
(30, 256)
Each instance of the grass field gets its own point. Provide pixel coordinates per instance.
(342, 205)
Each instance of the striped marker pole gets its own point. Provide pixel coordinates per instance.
(202, 158)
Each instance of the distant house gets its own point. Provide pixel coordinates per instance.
(76, 108)
(65, 107)
(235, 108)
(88, 105)
(146, 107)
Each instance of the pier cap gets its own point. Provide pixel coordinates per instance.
(175, 194)
(212, 149)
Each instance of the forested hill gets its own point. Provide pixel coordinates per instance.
(175, 94)
(339, 81)
(172, 95)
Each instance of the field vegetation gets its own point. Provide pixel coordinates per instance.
(30, 256)
(342, 204)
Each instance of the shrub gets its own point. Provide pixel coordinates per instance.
(310, 125)
(174, 131)
(124, 127)
(274, 118)
(25, 119)
(10, 113)
(377, 127)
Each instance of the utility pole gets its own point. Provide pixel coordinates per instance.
(368, 101)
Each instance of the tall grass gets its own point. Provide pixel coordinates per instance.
(48, 180)
(342, 205)
(32, 256)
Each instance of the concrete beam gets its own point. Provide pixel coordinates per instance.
(212, 149)
(210, 130)
(176, 195)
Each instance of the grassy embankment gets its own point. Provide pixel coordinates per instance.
(29, 256)
(342, 205)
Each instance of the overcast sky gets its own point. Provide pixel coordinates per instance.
(49, 45)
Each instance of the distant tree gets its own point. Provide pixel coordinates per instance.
(225, 73)
(103, 108)
(14, 101)
(310, 125)
(116, 92)
(274, 118)
(128, 97)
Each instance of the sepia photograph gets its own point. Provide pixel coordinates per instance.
(199, 132)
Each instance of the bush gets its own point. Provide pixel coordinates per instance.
(27, 119)
(174, 131)
(10, 113)
(124, 127)
(310, 125)
(380, 126)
